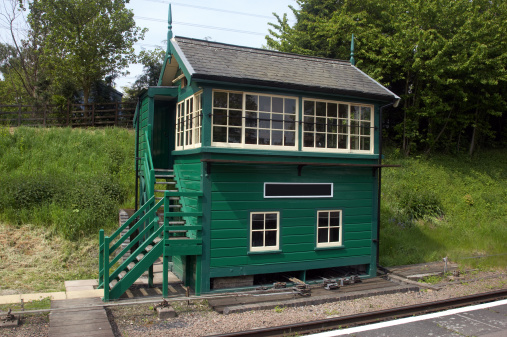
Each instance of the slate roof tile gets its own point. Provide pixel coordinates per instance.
(223, 62)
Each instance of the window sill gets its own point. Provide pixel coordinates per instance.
(330, 247)
(264, 252)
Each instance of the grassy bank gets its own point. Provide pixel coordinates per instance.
(70, 181)
(445, 206)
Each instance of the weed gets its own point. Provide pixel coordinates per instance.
(279, 309)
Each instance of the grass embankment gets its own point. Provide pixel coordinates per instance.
(445, 206)
(58, 188)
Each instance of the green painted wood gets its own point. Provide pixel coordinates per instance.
(184, 250)
(284, 267)
(207, 106)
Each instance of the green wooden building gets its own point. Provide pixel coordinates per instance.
(252, 162)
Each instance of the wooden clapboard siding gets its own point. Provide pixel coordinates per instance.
(237, 190)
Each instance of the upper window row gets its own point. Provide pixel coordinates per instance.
(249, 120)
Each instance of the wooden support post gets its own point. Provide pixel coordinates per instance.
(44, 115)
(116, 115)
(165, 259)
(19, 115)
(198, 264)
(106, 269)
(150, 277)
(93, 114)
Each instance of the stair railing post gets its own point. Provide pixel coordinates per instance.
(101, 257)
(106, 269)
(165, 262)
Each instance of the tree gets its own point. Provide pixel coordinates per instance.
(84, 40)
(446, 59)
(152, 66)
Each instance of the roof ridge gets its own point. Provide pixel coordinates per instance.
(260, 50)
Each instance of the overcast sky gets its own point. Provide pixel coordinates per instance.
(240, 22)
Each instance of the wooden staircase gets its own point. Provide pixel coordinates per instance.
(160, 228)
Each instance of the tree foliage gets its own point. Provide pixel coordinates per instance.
(152, 66)
(446, 59)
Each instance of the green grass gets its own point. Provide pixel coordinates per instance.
(71, 181)
(445, 206)
(43, 303)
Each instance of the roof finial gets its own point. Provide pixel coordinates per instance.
(169, 25)
(352, 60)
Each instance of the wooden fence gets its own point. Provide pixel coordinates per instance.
(74, 115)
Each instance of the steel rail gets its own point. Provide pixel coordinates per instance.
(369, 317)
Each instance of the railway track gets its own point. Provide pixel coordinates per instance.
(370, 317)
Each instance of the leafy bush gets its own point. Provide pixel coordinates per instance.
(420, 204)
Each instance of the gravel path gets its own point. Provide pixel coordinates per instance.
(199, 320)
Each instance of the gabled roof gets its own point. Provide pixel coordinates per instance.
(205, 60)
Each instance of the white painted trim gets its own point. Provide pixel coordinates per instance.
(302, 196)
(266, 248)
(396, 97)
(407, 320)
(186, 63)
(329, 244)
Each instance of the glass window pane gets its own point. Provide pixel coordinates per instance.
(342, 126)
(259, 217)
(264, 137)
(309, 108)
(354, 143)
(289, 118)
(265, 120)
(365, 113)
(277, 138)
(332, 141)
(219, 117)
(331, 125)
(323, 219)
(320, 140)
(321, 109)
(219, 134)
(235, 118)
(354, 128)
(257, 239)
(264, 103)
(354, 112)
(308, 139)
(290, 106)
(235, 101)
(257, 224)
(309, 124)
(334, 219)
(332, 109)
(290, 126)
(251, 119)
(322, 235)
(320, 124)
(220, 99)
(290, 139)
(365, 128)
(251, 136)
(251, 102)
(271, 221)
(342, 141)
(234, 135)
(277, 121)
(270, 238)
(334, 235)
(343, 111)
(365, 143)
(277, 104)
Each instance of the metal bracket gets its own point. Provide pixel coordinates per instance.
(300, 167)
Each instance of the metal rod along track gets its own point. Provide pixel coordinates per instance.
(370, 317)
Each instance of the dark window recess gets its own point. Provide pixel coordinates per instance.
(277, 190)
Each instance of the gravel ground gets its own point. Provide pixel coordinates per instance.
(198, 320)
(30, 326)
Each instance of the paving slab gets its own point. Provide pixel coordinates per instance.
(8, 299)
(39, 296)
(81, 317)
(85, 293)
(78, 285)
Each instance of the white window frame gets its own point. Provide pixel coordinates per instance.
(189, 122)
(242, 144)
(349, 134)
(340, 226)
(265, 248)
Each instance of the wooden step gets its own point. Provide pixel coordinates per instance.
(131, 265)
(112, 283)
(163, 170)
(165, 176)
(139, 257)
(165, 183)
(122, 274)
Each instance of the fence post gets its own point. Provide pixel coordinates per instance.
(19, 114)
(116, 115)
(44, 115)
(68, 112)
(93, 114)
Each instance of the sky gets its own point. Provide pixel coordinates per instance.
(239, 22)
